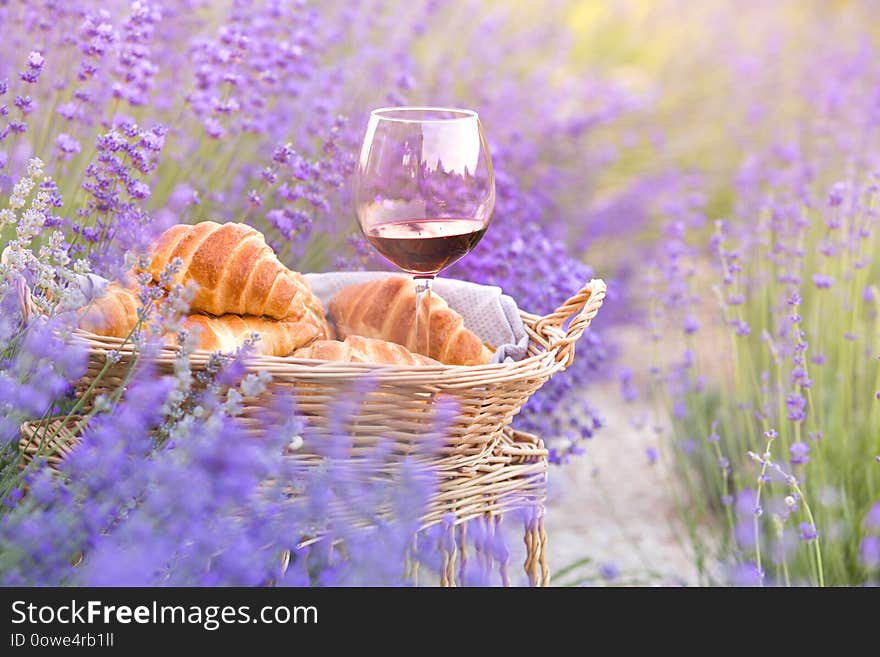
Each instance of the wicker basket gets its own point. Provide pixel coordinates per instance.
(393, 407)
(511, 475)
(487, 467)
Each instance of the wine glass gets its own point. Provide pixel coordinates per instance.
(424, 191)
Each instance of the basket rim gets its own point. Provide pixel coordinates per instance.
(275, 364)
(550, 348)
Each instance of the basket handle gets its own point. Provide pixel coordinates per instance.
(25, 299)
(582, 308)
(22, 291)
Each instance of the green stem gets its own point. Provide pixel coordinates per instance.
(817, 549)
(756, 524)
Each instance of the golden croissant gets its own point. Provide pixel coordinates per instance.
(357, 349)
(228, 332)
(385, 309)
(114, 314)
(235, 272)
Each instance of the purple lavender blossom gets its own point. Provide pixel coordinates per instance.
(66, 145)
(823, 282)
(808, 531)
(35, 63)
(799, 453)
(796, 405)
(747, 574)
(25, 104)
(627, 388)
(609, 571)
(836, 194)
(743, 329)
(869, 552)
(871, 521)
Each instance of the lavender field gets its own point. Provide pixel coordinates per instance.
(717, 164)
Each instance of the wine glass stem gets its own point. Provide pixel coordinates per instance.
(423, 314)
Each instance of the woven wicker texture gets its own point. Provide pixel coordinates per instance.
(488, 469)
(487, 396)
(510, 474)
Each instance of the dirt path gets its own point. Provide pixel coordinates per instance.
(612, 506)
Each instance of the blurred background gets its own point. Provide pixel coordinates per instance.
(716, 163)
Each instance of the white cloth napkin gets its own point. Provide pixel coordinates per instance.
(486, 310)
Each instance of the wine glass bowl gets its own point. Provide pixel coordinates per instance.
(424, 191)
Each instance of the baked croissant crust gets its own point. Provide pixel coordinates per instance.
(235, 272)
(385, 309)
(357, 349)
(228, 332)
(113, 315)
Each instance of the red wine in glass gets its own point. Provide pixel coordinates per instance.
(426, 246)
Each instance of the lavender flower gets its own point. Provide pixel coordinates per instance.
(799, 453)
(869, 553)
(808, 532)
(609, 571)
(871, 521)
(66, 145)
(823, 282)
(35, 63)
(747, 574)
